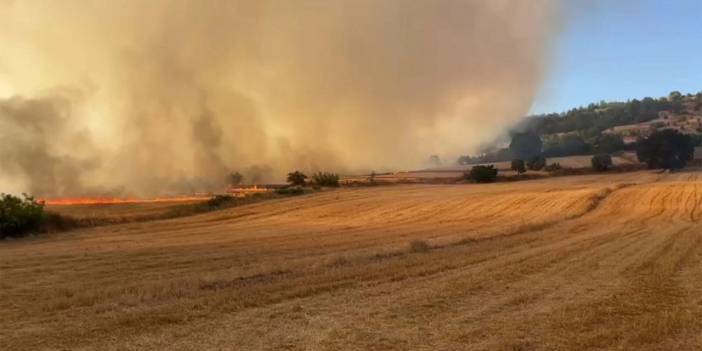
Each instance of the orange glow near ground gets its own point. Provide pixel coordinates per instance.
(115, 200)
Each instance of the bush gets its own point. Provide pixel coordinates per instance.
(601, 162)
(297, 178)
(553, 167)
(667, 149)
(536, 163)
(54, 222)
(482, 174)
(525, 145)
(326, 179)
(235, 178)
(608, 143)
(293, 190)
(518, 166)
(219, 201)
(418, 246)
(19, 215)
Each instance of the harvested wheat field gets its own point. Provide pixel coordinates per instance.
(568, 263)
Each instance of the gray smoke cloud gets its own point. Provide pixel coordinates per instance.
(151, 97)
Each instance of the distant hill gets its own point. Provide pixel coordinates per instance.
(605, 127)
(592, 120)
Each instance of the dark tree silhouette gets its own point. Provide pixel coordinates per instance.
(608, 143)
(235, 178)
(666, 149)
(536, 163)
(482, 174)
(601, 162)
(525, 145)
(326, 179)
(296, 178)
(518, 166)
(19, 215)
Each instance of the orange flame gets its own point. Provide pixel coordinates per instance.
(116, 200)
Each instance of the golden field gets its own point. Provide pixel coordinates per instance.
(567, 263)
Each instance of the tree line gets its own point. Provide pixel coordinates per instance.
(580, 131)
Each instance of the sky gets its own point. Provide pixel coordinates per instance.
(619, 50)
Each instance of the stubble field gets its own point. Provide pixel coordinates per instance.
(567, 263)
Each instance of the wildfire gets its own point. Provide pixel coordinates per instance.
(104, 200)
(116, 200)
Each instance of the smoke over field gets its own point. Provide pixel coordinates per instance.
(160, 96)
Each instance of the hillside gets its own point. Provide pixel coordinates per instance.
(603, 127)
(589, 262)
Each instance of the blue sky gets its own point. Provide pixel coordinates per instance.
(618, 50)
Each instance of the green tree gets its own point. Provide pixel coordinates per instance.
(666, 149)
(674, 96)
(518, 166)
(296, 178)
(536, 163)
(19, 215)
(601, 162)
(608, 143)
(482, 174)
(572, 144)
(525, 145)
(326, 179)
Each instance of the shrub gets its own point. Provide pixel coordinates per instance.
(219, 201)
(482, 174)
(235, 178)
(518, 166)
(19, 215)
(553, 167)
(54, 222)
(536, 163)
(293, 190)
(525, 145)
(608, 143)
(601, 162)
(667, 149)
(418, 246)
(296, 178)
(326, 179)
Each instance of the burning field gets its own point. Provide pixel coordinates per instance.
(176, 112)
(73, 201)
(582, 262)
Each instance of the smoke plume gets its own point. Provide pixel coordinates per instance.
(165, 95)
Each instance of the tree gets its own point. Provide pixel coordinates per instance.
(674, 96)
(601, 162)
(553, 167)
(326, 179)
(434, 161)
(536, 163)
(666, 149)
(296, 178)
(19, 215)
(608, 143)
(482, 174)
(572, 144)
(235, 178)
(525, 145)
(518, 166)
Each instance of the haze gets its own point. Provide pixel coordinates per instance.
(169, 96)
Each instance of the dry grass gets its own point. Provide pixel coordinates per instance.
(587, 262)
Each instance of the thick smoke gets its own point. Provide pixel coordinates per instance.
(166, 95)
